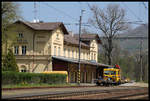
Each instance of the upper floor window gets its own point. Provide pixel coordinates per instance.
(20, 35)
(57, 36)
(92, 56)
(87, 56)
(95, 56)
(24, 50)
(72, 54)
(16, 50)
(76, 54)
(93, 45)
(54, 50)
(58, 51)
(64, 52)
(68, 53)
(83, 55)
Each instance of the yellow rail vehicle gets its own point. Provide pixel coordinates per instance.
(110, 76)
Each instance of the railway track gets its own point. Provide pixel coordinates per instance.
(125, 92)
(143, 95)
(116, 94)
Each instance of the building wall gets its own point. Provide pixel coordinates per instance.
(57, 43)
(73, 52)
(27, 38)
(41, 46)
(42, 43)
(93, 50)
(46, 44)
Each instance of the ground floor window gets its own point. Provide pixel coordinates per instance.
(16, 50)
(23, 69)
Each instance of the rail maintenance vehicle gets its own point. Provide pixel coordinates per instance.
(111, 76)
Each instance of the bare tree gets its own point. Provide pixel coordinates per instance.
(110, 21)
(10, 13)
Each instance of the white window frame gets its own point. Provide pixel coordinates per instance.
(58, 51)
(64, 52)
(68, 53)
(16, 50)
(72, 54)
(24, 49)
(55, 48)
(20, 35)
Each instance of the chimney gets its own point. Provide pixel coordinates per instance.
(41, 21)
(36, 20)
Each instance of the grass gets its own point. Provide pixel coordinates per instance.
(36, 85)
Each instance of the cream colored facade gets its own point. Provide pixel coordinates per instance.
(39, 46)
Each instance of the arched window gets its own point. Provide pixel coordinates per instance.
(23, 69)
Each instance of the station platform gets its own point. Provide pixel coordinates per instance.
(9, 94)
(84, 84)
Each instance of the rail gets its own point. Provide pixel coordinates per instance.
(109, 94)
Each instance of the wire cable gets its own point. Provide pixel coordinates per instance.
(144, 6)
(60, 11)
(132, 11)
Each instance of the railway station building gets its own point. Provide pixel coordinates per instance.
(48, 46)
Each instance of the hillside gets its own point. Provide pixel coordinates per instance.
(140, 31)
(133, 45)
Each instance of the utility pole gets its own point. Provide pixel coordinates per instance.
(78, 78)
(141, 60)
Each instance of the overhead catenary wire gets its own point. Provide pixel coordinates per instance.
(131, 11)
(80, 7)
(144, 5)
(130, 22)
(60, 11)
(89, 5)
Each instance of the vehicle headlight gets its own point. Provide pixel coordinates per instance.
(109, 78)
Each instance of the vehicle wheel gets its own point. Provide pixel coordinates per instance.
(98, 84)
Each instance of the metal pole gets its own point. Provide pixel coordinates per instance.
(141, 60)
(79, 47)
(79, 51)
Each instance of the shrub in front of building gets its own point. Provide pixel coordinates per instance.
(9, 77)
(9, 62)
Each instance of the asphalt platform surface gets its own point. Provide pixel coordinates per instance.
(8, 94)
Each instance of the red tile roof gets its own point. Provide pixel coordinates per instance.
(88, 37)
(44, 25)
(69, 39)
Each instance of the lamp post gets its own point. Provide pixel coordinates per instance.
(79, 46)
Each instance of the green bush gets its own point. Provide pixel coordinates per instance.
(9, 77)
(9, 62)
